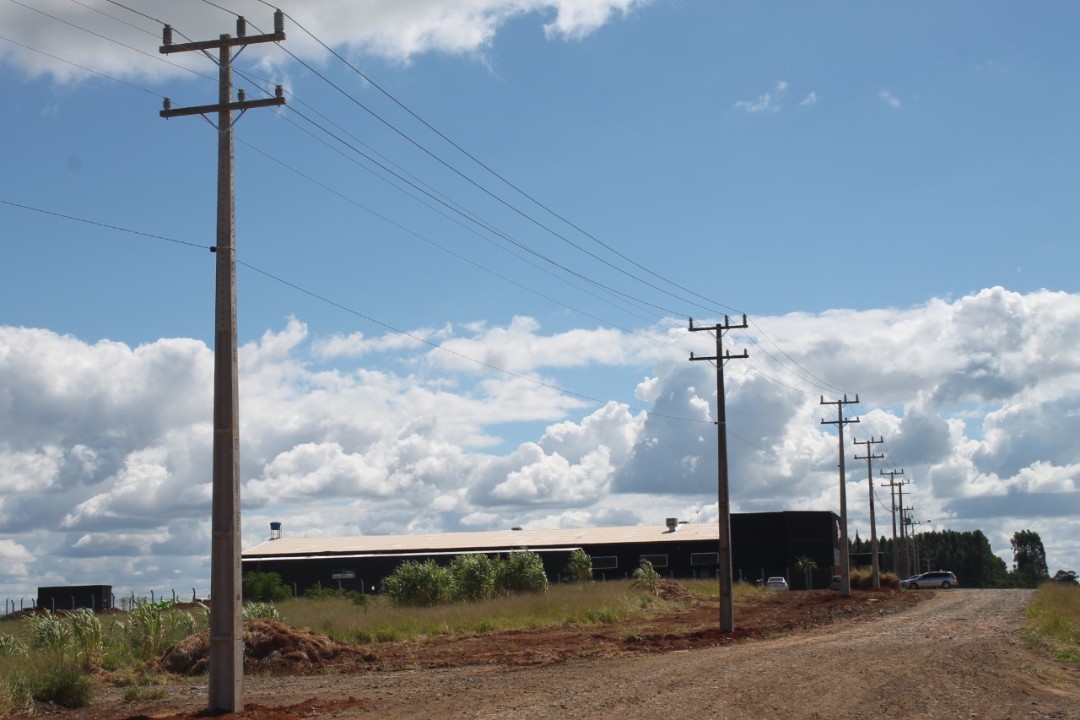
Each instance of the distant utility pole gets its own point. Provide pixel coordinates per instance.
(869, 458)
(226, 661)
(905, 561)
(892, 485)
(723, 571)
(845, 559)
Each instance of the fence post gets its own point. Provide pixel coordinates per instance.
(93, 603)
(295, 594)
(151, 597)
(53, 603)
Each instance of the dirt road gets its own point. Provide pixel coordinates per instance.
(955, 655)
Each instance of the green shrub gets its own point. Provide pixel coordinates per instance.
(87, 639)
(63, 684)
(48, 632)
(522, 572)
(149, 628)
(265, 587)
(475, 577)
(423, 584)
(318, 592)
(263, 610)
(579, 567)
(646, 578)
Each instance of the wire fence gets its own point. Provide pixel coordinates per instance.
(56, 602)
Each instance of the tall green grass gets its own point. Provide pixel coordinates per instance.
(50, 657)
(1054, 621)
(382, 621)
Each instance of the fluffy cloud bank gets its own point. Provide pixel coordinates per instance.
(102, 36)
(105, 449)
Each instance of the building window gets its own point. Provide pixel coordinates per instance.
(658, 561)
(605, 562)
(704, 558)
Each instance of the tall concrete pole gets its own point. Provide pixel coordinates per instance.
(723, 571)
(875, 564)
(892, 496)
(226, 624)
(226, 659)
(845, 550)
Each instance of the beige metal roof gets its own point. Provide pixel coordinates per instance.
(490, 540)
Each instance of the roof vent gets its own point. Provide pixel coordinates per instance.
(275, 531)
(673, 524)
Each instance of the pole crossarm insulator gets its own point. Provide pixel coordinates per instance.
(224, 41)
(206, 109)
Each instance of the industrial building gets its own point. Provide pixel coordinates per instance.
(762, 544)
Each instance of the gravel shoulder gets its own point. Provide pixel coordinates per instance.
(957, 654)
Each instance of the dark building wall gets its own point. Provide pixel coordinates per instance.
(74, 597)
(766, 544)
(763, 544)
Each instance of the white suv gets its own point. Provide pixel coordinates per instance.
(935, 579)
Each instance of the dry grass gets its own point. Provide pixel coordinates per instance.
(1054, 621)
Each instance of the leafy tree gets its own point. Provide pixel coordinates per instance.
(968, 554)
(265, 587)
(579, 566)
(1029, 559)
(1067, 577)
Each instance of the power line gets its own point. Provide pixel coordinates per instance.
(82, 67)
(109, 39)
(819, 382)
(351, 311)
(809, 376)
(113, 17)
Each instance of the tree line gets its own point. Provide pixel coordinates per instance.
(969, 556)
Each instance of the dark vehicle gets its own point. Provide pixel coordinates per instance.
(935, 579)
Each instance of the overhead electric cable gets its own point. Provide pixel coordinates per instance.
(819, 382)
(491, 229)
(113, 17)
(461, 174)
(349, 310)
(148, 17)
(109, 39)
(461, 257)
(82, 67)
(108, 226)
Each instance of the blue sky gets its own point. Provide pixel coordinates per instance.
(887, 191)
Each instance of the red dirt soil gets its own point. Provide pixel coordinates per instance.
(276, 649)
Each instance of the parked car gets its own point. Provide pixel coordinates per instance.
(934, 579)
(834, 584)
(776, 583)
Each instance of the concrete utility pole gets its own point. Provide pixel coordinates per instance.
(875, 564)
(727, 603)
(845, 558)
(892, 485)
(904, 559)
(226, 661)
